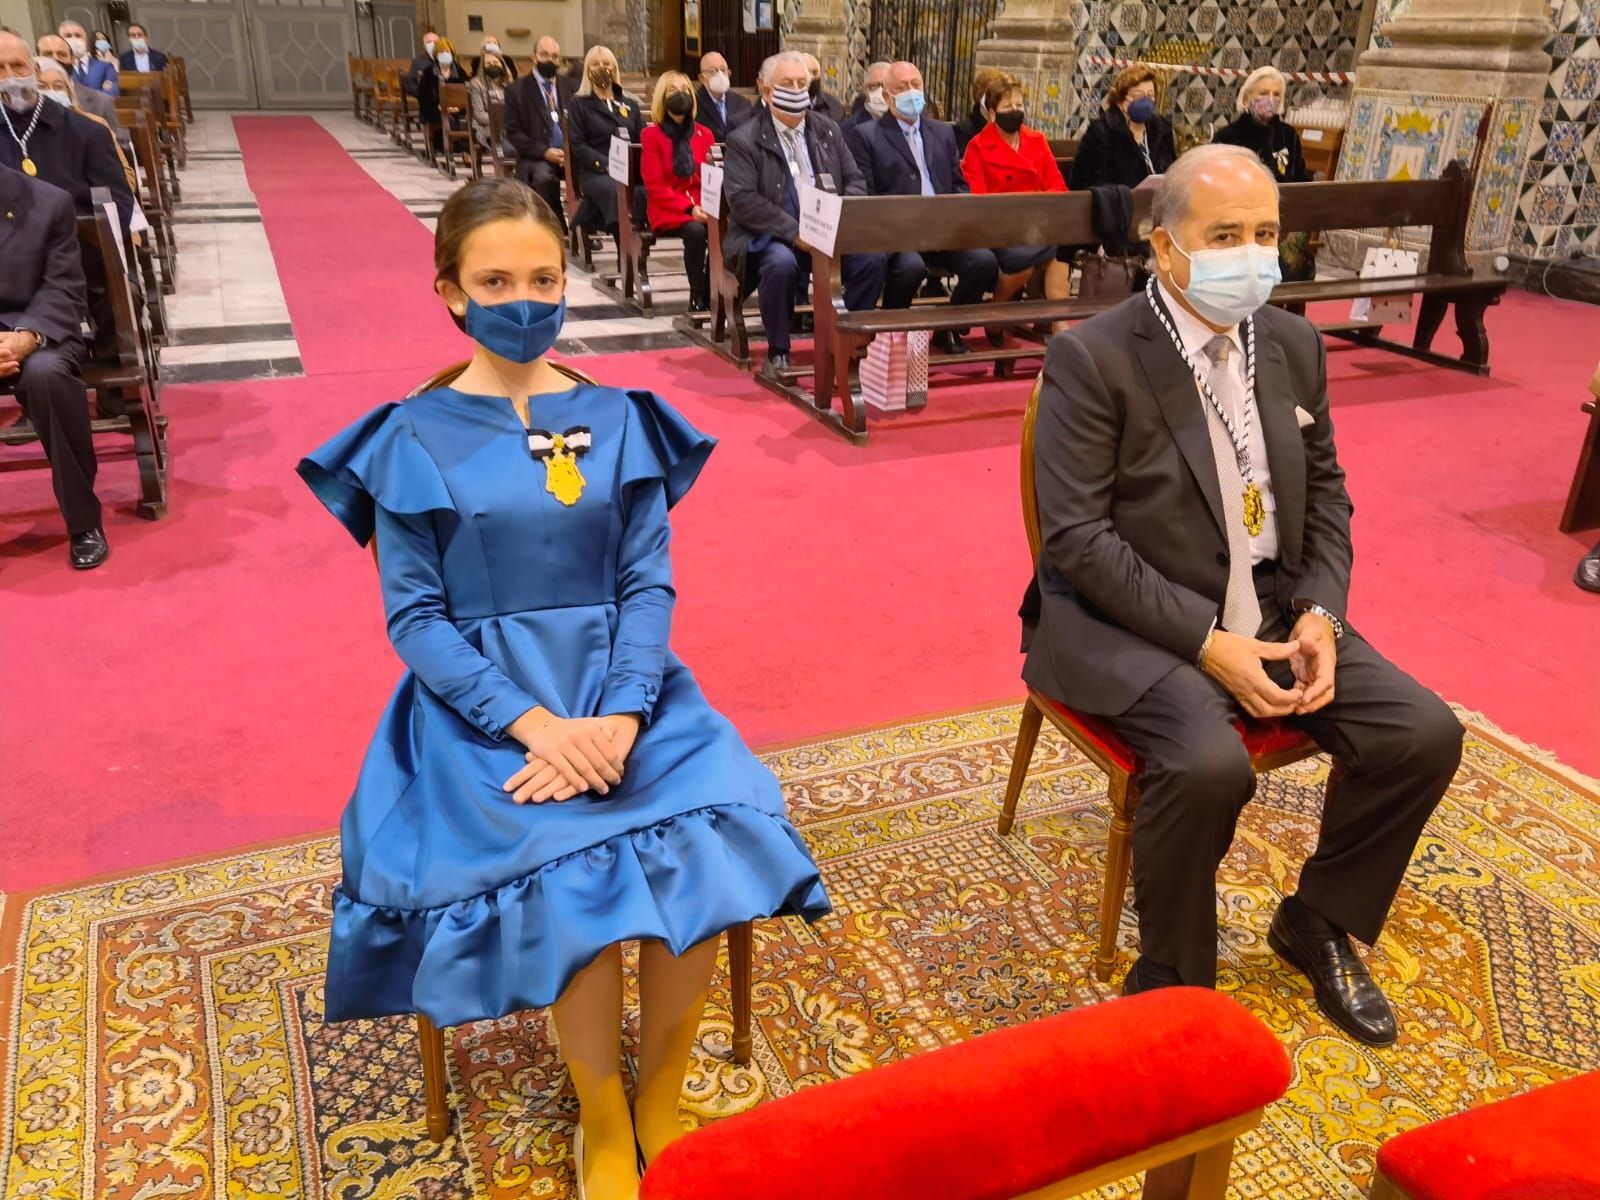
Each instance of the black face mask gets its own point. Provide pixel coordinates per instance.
(1010, 122)
(814, 88)
(679, 104)
(494, 72)
(547, 69)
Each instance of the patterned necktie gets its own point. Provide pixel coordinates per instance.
(797, 155)
(1241, 610)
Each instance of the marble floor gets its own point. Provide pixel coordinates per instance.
(228, 318)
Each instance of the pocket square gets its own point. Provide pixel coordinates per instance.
(1302, 418)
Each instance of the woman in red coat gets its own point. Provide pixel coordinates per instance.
(669, 163)
(1006, 156)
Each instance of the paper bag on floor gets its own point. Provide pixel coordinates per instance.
(883, 372)
(1386, 262)
(917, 343)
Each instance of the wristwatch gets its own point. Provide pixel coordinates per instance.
(1306, 606)
(38, 338)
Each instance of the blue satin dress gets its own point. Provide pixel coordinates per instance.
(457, 902)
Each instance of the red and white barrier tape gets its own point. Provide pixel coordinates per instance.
(1339, 77)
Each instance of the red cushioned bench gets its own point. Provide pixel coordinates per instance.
(1541, 1145)
(1161, 1082)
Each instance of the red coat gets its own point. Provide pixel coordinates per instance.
(992, 166)
(671, 198)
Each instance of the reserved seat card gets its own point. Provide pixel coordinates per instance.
(711, 189)
(619, 159)
(819, 218)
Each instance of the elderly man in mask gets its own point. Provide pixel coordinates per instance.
(96, 104)
(871, 103)
(717, 106)
(87, 71)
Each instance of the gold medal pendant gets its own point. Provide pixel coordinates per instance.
(27, 166)
(560, 453)
(1255, 510)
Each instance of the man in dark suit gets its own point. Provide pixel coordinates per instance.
(96, 104)
(823, 102)
(41, 319)
(1196, 562)
(534, 106)
(88, 71)
(717, 106)
(905, 155)
(419, 64)
(65, 148)
(141, 57)
(767, 158)
(871, 104)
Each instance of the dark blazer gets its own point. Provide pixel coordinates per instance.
(428, 89)
(413, 76)
(529, 128)
(740, 110)
(829, 106)
(98, 75)
(75, 154)
(755, 176)
(42, 286)
(1108, 153)
(969, 127)
(891, 168)
(1277, 144)
(158, 60)
(593, 123)
(1134, 567)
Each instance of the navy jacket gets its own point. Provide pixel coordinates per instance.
(75, 154)
(158, 60)
(98, 75)
(885, 156)
(739, 109)
(42, 286)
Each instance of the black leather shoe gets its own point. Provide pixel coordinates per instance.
(1587, 576)
(88, 550)
(774, 364)
(947, 341)
(804, 323)
(1147, 976)
(1344, 990)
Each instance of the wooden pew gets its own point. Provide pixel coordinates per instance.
(582, 243)
(181, 67)
(153, 196)
(149, 89)
(455, 126)
(360, 87)
(1065, 150)
(635, 239)
(1583, 497)
(128, 373)
(499, 164)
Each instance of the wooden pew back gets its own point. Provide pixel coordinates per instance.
(1442, 203)
(886, 224)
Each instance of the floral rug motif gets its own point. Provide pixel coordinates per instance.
(163, 1035)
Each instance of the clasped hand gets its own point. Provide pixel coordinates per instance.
(1236, 663)
(567, 756)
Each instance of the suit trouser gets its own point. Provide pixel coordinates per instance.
(975, 272)
(54, 398)
(1398, 741)
(545, 179)
(777, 270)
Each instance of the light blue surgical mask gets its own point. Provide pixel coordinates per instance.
(1228, 284)
(518, 331)
(909, 104)
(446, 59)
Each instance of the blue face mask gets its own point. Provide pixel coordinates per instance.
(910, 104)
(1227, 285)
(518, 331)
(1141, 110)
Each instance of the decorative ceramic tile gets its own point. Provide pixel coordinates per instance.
(1562, 160)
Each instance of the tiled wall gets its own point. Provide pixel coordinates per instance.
(1559, 212)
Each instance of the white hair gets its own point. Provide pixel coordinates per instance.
(1171, 203)
(880, 65)
(43, 63)
(1254, 80)
(784, 58)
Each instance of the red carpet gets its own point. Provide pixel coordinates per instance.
(216, 682)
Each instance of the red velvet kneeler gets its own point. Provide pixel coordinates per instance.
(997, 1116)
(1541, 1145)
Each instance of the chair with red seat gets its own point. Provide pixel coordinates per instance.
(1537, 1146)
(1161, 1083)
(1271, 744)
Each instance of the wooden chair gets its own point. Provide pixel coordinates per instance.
(1271, 744)
(1319, 146)
(149, 89)
(455, 125)
(387, 111)
(153, 194)
(181, 68)
(581, 242)
(635, 238)
(1583, 497)
(499, 164)
(741, 938)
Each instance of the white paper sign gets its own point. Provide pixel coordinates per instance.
(1310, 135)
(619, 159)
(819, 218)
(112, 215)
(711, 189)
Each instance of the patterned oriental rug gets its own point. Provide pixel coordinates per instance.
(163, 1032)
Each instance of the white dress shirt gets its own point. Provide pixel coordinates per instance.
(141, 61)
(1195, 334)
(913, 132)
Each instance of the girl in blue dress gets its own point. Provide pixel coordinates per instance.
(548, 780)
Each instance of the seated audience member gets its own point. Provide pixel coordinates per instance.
(1260, 127)
(1130, 141)
(88, 71)
(674, 148)
(976, 120)
(140, 56)
(823, 102)
(55, 83)
(871, 103)
(442, 70)
(412, 79)
(1196, 563)
(86, 100)
(103, 50)
(42, 302)
(600, 111)
(718, 107)
(905, 155)
(786, 144)
(534, 107)
(488, 87)
(64, 148)
(491, 45)
(1007, 156)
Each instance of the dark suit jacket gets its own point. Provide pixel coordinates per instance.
(1134, 567)
(740, 110)
(96, 74)
(158, 61)
(528, 123)
(593, 123)
(969, 127)
(413, 76)
(1108, 153)
(76, 154)
(755, 175)
(891, 168)
(829, 106)
(42, 286)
